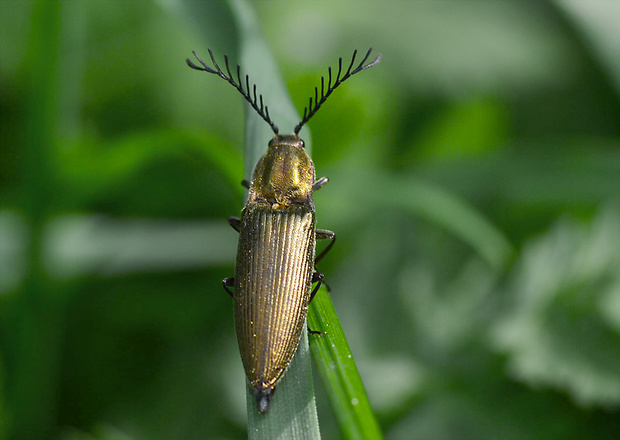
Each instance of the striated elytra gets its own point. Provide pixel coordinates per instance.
(275, 265)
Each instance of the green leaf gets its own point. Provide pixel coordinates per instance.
(337, 367)
(292, 412)
(564, 332)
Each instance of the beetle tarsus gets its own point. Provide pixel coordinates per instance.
(235, 222)
(226, 283)
(315, 332)
(319, 183)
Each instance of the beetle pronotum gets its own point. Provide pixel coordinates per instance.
(275, 266)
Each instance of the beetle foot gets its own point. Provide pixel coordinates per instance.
(315, 332)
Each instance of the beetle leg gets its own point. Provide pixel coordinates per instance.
(235, 222)
(226, 283)
(322, 234)
(319, 183)
(315, 332)
(245, 183)
(317, 277)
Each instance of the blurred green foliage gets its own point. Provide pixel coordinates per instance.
(475, 191)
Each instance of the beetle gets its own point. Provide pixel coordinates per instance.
(276, 265)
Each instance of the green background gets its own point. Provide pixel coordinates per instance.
(474, 187)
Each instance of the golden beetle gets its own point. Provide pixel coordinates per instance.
(275, 265)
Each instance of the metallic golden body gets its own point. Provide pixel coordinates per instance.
(272, 289)
(284, 176)
(275, 262)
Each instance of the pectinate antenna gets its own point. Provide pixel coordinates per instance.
(312, 109)
(256, 103)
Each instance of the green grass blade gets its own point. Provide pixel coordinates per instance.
(339, 373)
(292, 414)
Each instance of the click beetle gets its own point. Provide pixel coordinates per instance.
(275, 265)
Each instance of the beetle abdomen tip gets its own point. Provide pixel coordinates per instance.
(263, 398)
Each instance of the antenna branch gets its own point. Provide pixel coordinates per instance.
(247, 93)
(318, 102)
